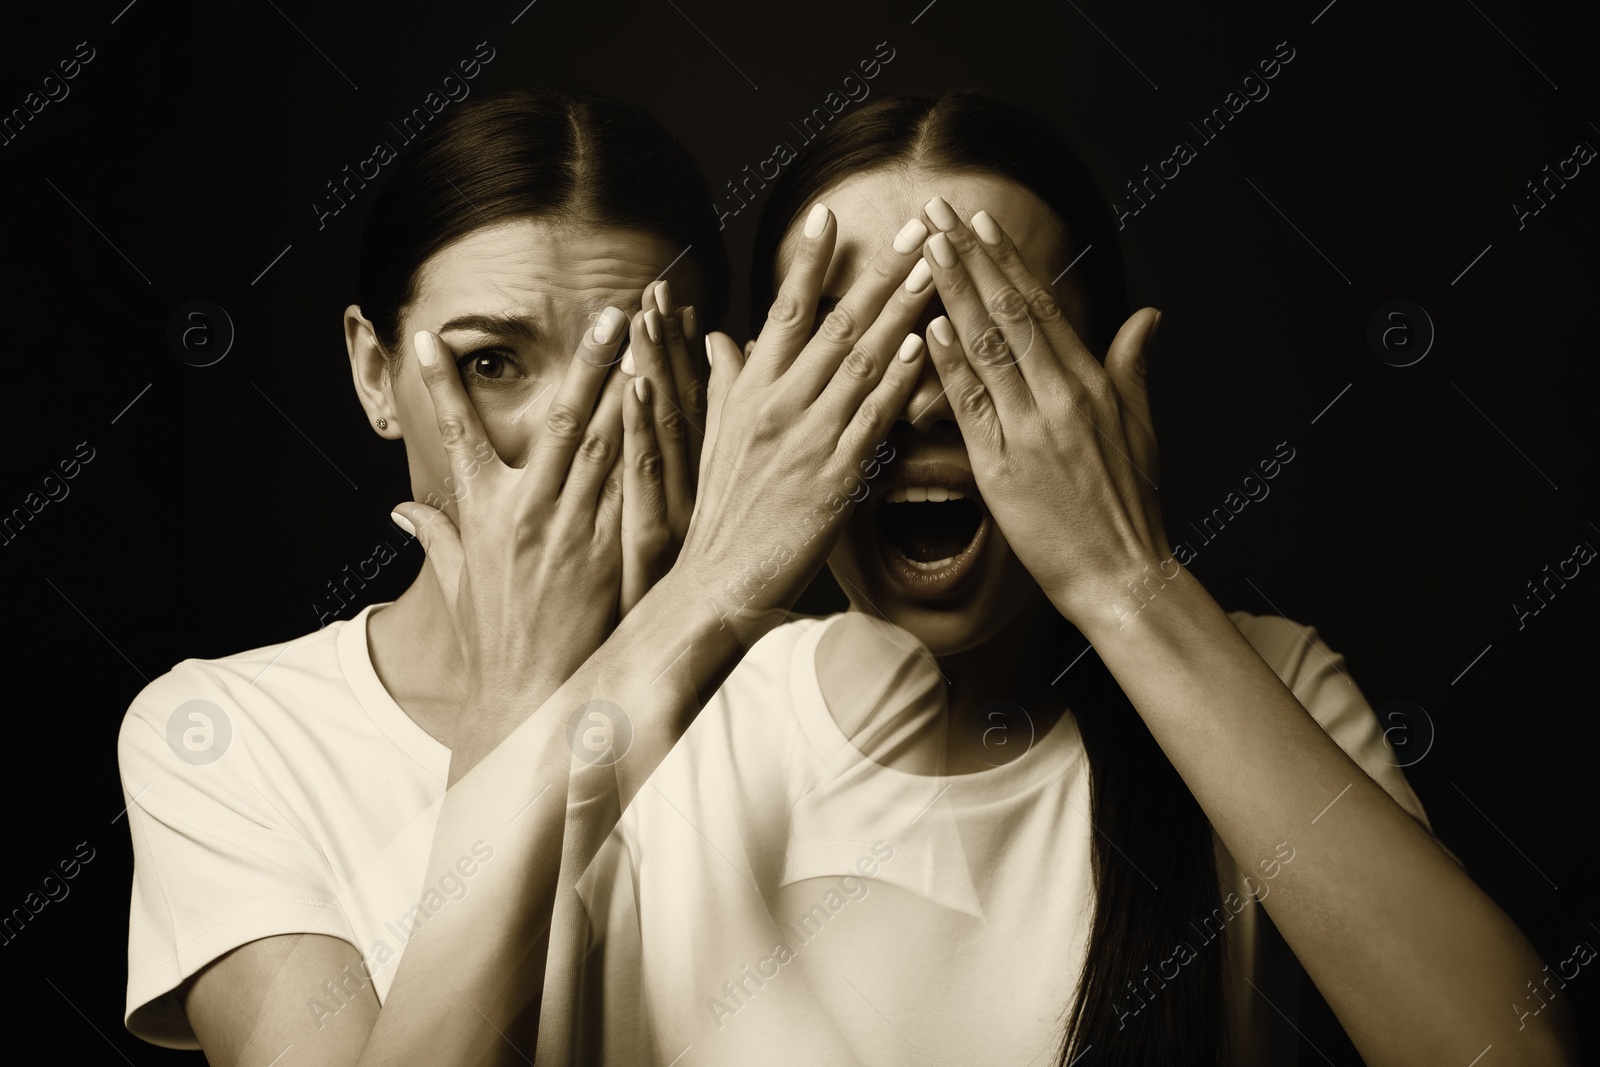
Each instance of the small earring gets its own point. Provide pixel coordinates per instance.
(383, 424)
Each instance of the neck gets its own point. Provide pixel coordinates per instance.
(414, 652)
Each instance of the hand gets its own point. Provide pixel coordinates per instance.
(659, 474)
(791, 433)
(1063, 449)
(530, 569)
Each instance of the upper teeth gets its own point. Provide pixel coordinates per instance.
(919, 493)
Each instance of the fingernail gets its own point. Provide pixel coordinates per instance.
(910, 236)
(944, 253)
(427, 355)
(1154, 326)
(942, 214)
(605, 328)
(652, 324)
(920, 276)
(402, 522)
(708, 350)
(817, 221)
(641, 389)
(909, 348)
(627, 362)
(942, 331)
(664, 299)
(691, 323)
(986, 228)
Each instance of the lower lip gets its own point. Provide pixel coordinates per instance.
(925, 582)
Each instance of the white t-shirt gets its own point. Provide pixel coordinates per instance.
(303, 799)
(772, 896)
(316, 817)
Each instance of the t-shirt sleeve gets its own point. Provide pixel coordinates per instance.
(1320, 679)
(217, 861)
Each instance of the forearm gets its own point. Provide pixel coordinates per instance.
(1419, 965)
(468, 972)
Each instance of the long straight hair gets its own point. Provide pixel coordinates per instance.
(1154, 865)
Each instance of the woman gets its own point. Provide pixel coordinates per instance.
(929, 830)
(303, 876)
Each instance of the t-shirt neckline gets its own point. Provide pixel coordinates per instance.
(355, 659)
(1047, 759)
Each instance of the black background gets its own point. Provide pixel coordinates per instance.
(216, 508)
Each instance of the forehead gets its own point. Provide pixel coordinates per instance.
(546, 267)
(872, 205)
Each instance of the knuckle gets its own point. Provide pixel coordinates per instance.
(769, 417)
(649, 464)
(870, 411)
(785, 310)
(452, 430)
(596, 447)
(988, 346)
(671, 422)
(562, 421)
(973, 397)
(693, 396)
(860, 365)
(839, 326)
(1009, 304)
(1043, 306)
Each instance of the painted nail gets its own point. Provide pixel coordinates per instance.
(921, 275)
(909, 348)
(817, 221)
(402, 522)
(942, 331)
(709, 357)
(986, 228)
(691, 324)
(652, 324)
(427, 355)
(641, 389)
(944, 253)
(664, 299)
(910, 236)
(942, 214)
(627, 362)
(606, 326)
(1154, 326)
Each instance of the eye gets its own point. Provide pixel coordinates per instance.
(489, 365)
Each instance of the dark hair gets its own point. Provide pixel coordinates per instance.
(1154, 864)
(533, 153)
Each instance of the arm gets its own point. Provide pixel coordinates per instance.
(1416, 961)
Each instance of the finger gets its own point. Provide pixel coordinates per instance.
(597, 453)
(569, 412)
(861, 371)
(466, 444)
(673, 431)
(880, 408)
(838, 339)
(793, 310)
(969, 397)
(727, 367)
(1127, 364)
(441, 542)
(1038, 297)
(986, 345)
(646, 536)
(1026, 345)
(689, 378)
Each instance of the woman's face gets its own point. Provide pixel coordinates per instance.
(512, 300)
(939, 568)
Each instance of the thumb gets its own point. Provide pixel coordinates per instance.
(1127, 364)
(726, 363)
(440, 540)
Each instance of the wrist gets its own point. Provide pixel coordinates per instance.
(1130, 600)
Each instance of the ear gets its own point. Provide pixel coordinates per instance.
(749, 347)
(370, 371)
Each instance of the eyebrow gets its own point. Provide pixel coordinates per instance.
(519, 327)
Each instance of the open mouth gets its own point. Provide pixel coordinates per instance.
(930, 536)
